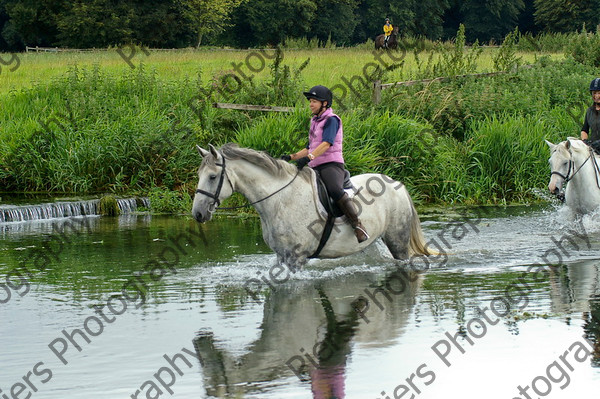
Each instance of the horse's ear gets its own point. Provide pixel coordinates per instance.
(568, 144)
(202, 151)
(214, 151)
(552, 146)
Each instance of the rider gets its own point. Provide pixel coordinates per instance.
(590, 132)
(387, 31)
(324, 153)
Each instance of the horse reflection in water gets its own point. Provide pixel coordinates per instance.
(308, 330)
(575, 288)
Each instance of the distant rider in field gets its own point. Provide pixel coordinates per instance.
(590, 132)
(324, 154)
(387, 31)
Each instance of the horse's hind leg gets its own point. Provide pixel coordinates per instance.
(397, 241)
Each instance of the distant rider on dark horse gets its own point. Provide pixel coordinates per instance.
(324, 154)
(387, 31)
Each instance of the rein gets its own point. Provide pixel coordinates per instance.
(215, 196)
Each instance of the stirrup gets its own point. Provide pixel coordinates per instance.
(363, 231)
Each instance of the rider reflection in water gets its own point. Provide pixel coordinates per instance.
(590, 132)
(327, 379)
(324, 154)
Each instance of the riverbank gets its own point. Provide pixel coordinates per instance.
(466, 140)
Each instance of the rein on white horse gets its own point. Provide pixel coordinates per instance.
(216, 194)
(569, 176)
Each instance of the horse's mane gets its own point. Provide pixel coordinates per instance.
(262, 160)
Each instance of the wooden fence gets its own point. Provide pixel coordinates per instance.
(251, 107)
(378, 86)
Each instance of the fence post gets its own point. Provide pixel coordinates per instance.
(377, 91)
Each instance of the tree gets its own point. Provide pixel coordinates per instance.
(209, 16)
(161, 23)
(263, 22)
(95, 23)
(566, 15)
(335, 19)
(30, 22)
(429, 18)
(484, 20)
(526, 18)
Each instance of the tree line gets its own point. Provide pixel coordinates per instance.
(252, 23)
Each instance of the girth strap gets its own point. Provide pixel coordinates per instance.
(326, 233)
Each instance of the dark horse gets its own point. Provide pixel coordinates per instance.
(392, 43)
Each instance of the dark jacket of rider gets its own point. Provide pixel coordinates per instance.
(591, 125)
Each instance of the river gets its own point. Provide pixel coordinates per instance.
(158, 306)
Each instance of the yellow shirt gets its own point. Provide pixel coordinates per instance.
(387, 29)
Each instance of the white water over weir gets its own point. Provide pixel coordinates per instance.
(15, 213)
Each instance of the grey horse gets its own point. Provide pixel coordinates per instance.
(291, 215)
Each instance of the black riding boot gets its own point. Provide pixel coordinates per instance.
(346, 205)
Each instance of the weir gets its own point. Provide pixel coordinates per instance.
(23, 213)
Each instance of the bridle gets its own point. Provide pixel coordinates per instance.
(215, 196)
(568, 177)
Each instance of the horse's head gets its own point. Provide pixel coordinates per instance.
(562, 162)
(213, 184)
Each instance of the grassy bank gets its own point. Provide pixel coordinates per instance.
(102, 126)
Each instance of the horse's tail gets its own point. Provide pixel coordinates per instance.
(417, 245)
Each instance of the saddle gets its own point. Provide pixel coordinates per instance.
(333, 210)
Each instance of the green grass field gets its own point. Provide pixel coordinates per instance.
(326, 66)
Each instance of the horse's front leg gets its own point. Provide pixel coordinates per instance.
(294, 258)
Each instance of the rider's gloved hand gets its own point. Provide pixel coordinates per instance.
(595, 146)
(302, 162)
(286, 158)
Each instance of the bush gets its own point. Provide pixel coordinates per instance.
(92, 132)
(506, 58)
(585, 48)
(508, 156)
(450, 107)
(546, 42)
(163, 200)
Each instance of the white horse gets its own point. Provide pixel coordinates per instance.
(291, 214)
(573, 162)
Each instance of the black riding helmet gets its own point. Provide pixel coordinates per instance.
(320, 93)
(595, 84)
